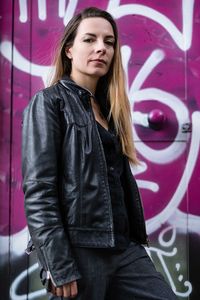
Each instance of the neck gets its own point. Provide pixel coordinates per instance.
(86, 82)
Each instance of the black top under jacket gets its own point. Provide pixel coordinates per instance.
(114, 161)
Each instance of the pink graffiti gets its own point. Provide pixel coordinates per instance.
(160, 69)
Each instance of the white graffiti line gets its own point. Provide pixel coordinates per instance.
(150, 185)
(149, 65)
(138, 169)
(174, 150)
(19, 279)
(154, 223)
(23, 16)
(160, 254)
(188, 285)
(135, 95)
(63, 12)
(42, 10)
(126, 55)
(185, 222)
(61, 8)
(140, 119)
(169, 242)
(144, 184)
(23, 64)
(72, 4)
(182, 39)
(15, 243)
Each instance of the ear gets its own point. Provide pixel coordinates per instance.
(68, 53)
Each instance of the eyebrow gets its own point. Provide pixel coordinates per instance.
(94, 35)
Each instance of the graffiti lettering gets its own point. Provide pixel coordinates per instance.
(161, 255)
(63, 12)
(183, 40)
(141, 91)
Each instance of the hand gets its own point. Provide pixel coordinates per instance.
(67, 290)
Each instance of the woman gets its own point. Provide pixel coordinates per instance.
(82, 203)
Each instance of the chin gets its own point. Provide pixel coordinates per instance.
(99, 73)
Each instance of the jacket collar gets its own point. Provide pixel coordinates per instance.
(71, 85)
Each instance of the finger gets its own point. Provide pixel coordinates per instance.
(59, 291)
(66, 290)
(73, 289)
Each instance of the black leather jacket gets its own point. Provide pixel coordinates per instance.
(67, 200)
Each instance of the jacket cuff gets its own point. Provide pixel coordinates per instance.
(59, 273)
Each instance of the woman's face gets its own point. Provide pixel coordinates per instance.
(93, 49)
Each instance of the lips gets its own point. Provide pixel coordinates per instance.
(99, 60)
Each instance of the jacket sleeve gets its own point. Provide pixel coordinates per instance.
(41, 149)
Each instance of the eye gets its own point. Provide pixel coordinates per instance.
(110, 43)
(88, 40)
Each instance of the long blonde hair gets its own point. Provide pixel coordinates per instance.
(113, 82)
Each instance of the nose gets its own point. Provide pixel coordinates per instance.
(100, 47)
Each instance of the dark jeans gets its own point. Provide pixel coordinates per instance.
(125, 275)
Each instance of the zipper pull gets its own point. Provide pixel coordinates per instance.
(30, 247)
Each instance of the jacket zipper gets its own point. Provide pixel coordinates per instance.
(30, 248)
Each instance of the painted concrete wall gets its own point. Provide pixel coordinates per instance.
(161, 58)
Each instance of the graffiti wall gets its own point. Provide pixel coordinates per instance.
(161, 57)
